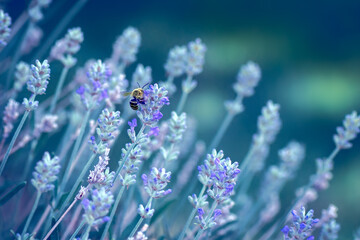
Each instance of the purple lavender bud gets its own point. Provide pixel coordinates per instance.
(154, 131)
(133, 123)
(155, 99)
(195, 57)
(108, 123)
(217, 213)
(5, 22)
(127, 45)
(10, 114)
(45, 173)
(47, 124)
(348, 131)
(176, 62)
(38, 82)
(302, 225)
(66, 47)
(32, 39)
(22, 75)
(97, 207)
(156, 181)
(247, 79)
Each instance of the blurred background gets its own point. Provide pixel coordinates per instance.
(309, 53)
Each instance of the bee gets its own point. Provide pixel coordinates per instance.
(138, 96)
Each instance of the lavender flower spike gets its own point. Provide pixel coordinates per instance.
(11, 113)
(155, 99)
(46, 173)
(156, 182)
(22, 75)
(195, 57)
(176, 62)
(39, 79)
(348, 131)
(97, 207)
(301, 226)
(66, 47)
(5, 22)
(127, 46)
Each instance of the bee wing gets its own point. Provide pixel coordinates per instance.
(125, 94)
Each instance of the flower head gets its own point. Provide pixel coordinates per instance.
(66, 47)
(47, 124)
(347, 132)
(97, 207)
(176, 62)
(156, 182)
(45, 173)
(11, 113)
(247, 79)
(155, 99)
(141, 76)
(39, 80)
(127, 45)
(22, 75)
(195, 57)
(5, 22)
(301, 226)
(131, 166)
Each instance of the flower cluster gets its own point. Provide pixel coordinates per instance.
(155, 99)
(38, 82)
(108, 124)
(177, 127)
(47, 124)
(176, 62)
(224, 180)
(328, 224)
(207, 222)
(66, 47)
(95, 90)
(301, 226)
(34, 11)
(323, 175)
(131, 166)
(101, 175)
(32, 39)
(127, 46)
(156, 182)
(291, 156)
(97, 207)
(11, 113)
(22, 75)
(348, 132)
(5, 22)
(209, 167)
(195, 57)
(269, 124)
(45, 173)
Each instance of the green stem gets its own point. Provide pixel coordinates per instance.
(128, 153)
(78, 181)
(192, 215)
(85, 236)
(14, 138)
(58, 88)
(184, 96)
(75, 150)
(140, 220)
(36, 203)
(81, 225)
(221, 131)
(113, 211)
